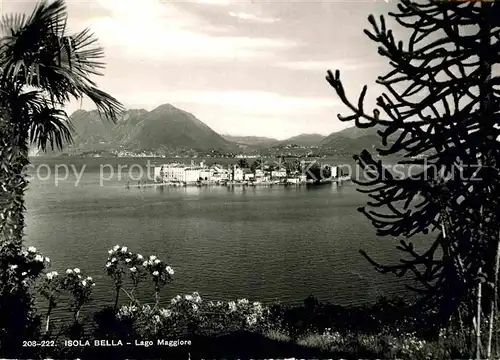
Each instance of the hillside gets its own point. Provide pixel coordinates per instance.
(353, 140)
(174, 128)
(304, 140)
(252, 141)
(349, 146)
(165, 127)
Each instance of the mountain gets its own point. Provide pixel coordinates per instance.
(165, 127)
(174, 128)
(252, 141)
(353, 140)
(345, 145)
(304, 140)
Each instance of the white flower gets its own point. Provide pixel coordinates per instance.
(124, 249)
(69, 271)
(156, 273)
(170, 271)
(76, 270)
(152, 257)
(145, 263)
(89, 278)
(113, 259)
(110, 251)
(32, 249)
(128, 260)
(176, 299)
(51, 275)
(116, 247)
(140, 257)
(47, 259)
(242, 301)
(188, 297)
(13, 267)
(251, 320)
(157, 261)
(157, 318)
(108, 264)
(232, 306)
(93, 284)
(24, 273)
(195, 307)
(39, 258)
(84, 283)
(197, 297)
(165, 313)
(133, 269)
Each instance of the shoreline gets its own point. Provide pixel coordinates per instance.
(232, 184)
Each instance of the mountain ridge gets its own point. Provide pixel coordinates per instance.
(169, 129)
(163, 127)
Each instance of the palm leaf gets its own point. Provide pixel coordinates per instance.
(35, 51)
(52, 127)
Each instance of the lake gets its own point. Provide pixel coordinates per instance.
(260, 243)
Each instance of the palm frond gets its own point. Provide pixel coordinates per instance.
(37, 52)
(44, 125)
(52, 127)
(24, 38)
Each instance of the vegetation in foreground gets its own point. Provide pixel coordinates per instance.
(239, 328)
(42, 67)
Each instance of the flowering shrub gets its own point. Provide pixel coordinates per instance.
(19, 268)
(160, 273)
(189, 314)
(27, 266)
(79, 287)
(50, 289)
(122, 262)
(411, 346)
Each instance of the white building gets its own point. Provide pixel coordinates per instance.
(335, 171)
(206, 174)
(170, 172)
(248, 175)
(259, 173)
(299, 179)
(219, 173)
(237, 173)
(192, 174)
(278, 174)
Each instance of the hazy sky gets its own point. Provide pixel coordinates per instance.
(242, 67)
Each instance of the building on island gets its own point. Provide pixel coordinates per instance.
(237, 174)
(218, 174)
(248, 175)
(278, 174)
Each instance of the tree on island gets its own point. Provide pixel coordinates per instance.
(42, 67)
(443, 98)
(257, 164)
(243, 163)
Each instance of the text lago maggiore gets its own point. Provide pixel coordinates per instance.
(144, 343)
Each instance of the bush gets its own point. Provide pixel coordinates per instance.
(390, 328)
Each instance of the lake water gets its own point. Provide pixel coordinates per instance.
(260, 243)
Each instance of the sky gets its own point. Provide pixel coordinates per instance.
(250, 68)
